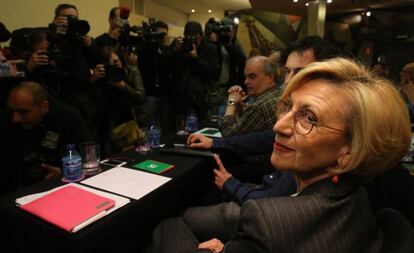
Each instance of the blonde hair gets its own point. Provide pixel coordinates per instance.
(377, 125)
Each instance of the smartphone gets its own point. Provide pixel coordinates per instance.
(113, 162)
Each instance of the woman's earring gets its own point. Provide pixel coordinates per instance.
(335, 179)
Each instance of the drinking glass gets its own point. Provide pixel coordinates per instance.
(180, 125)
(91, 155)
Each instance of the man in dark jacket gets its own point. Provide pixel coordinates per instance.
(34, 131)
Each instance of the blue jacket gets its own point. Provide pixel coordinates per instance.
(274, 184)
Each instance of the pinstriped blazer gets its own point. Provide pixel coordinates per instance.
(323, 218)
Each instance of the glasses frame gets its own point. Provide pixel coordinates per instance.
(296, 116)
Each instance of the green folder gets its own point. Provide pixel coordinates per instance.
(153, 166)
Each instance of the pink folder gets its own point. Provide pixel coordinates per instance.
(70, 207)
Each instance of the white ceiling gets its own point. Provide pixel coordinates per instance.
(205, 5)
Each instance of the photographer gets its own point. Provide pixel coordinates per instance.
(68, 69)
(68, 37)
(231, 57)
(155, 60)
(111, 38)
(121, 92)
(38, 60)
(193, 71)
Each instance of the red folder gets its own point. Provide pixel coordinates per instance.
(70, 207)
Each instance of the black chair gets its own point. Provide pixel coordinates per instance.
(397, 230)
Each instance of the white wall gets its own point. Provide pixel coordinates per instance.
(202, 18)
(158, 11)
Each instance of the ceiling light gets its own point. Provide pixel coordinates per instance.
(192, 10)
(209, 11)
(329, 1)
(295, 1)
(368, 13)
(307, 4)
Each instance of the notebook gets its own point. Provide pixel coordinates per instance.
(70, 208)
(153, 166)
(210, 132)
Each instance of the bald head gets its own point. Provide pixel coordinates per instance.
(407, 74)
(409, 68)
(28, 104)
(260, 74)
(32, 89)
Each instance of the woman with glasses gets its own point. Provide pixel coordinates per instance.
(337, 128)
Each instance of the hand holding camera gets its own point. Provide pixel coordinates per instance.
(189, 46)
(61, 21)
(98, 72)
(178, 44)
(38, 58)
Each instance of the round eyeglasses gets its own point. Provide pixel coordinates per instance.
(304, 120)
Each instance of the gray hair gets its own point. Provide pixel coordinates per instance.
(269, 67)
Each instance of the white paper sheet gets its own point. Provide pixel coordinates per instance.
(127, 182)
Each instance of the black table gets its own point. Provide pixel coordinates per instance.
(127, 229)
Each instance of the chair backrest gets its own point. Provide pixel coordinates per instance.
(397, 230)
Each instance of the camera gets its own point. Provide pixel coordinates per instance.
(143, 34)
(64, 41)
(114, 73)
(188, 43)
(75, 28)
(221, 29)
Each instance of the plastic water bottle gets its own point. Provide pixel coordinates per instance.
(409, 156)
(4, 69)
(72, 165)
(155, 135)
(222, 110)
(191, 123)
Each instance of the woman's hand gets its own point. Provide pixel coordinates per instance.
(221, 174)
(215, 245)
